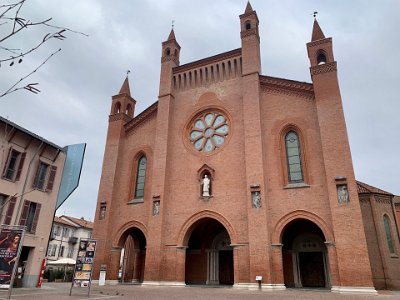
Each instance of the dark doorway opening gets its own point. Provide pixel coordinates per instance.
(304, 255)
(133, 257)
(312, 269)
(209, 256)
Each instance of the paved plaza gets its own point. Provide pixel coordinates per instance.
(60, 291)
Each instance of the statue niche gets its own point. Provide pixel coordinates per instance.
(206, 177)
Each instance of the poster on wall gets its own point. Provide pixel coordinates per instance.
(84, 263)
(10, 248)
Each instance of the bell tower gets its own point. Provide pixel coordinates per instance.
(251, 59)
(123, 103)
(169, 60)
(346, 217)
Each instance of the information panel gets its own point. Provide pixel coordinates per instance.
(84, 263)
(10, 247)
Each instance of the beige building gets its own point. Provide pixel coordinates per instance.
(65, 236)
(31, 173)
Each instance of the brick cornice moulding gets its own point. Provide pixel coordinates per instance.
(252, 31)
(170, 58)
(287, 87)
(141, 118)
(325, 68)
(120, 116)
(319, 42)
(384, 200)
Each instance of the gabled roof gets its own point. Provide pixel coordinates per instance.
(363, 188)
(63, 222)
(26, 131)
(79, 222)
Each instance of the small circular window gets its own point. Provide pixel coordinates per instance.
(209, 131)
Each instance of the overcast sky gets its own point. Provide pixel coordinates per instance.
(77, 84)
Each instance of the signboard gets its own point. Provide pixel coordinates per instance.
(84, 264)
(71, 172)
(10, 248)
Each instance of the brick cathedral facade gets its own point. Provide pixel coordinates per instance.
(233, 175)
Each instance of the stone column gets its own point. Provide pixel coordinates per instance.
(332, 264)
(212, 267)
(296, 269)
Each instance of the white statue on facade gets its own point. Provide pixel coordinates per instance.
(256, 199)
(156, 208)
(206, 186)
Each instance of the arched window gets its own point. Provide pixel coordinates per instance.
(140, 177)
(386, 224)
(248, 25)
(321, 57)
(293, 157)
(117, 108)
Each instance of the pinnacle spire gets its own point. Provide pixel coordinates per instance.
(171, 35)
(125, 87)
(317, 33)
(249, 9)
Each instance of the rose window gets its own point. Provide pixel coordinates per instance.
(209, 132)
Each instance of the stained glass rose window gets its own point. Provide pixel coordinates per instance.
(209, 132)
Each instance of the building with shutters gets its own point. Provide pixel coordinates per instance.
(65, 236)
(233, 176)
(31, 172)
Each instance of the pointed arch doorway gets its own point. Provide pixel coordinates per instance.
(209, 256)
(304, 254)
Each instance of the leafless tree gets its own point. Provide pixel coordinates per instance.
(12, 24)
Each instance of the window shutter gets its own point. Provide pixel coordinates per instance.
(35, 180)
(21, 165)
(24, 213)
(6, 164)
(36, 217)
(50, 183)
(10, 210)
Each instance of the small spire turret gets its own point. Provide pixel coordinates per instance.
(317, 33)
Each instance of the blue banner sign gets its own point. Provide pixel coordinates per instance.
(72, 172)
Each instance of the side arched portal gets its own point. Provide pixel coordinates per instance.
(133, 255)
(304, 255)
(209, 254)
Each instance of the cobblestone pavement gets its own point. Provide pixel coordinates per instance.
(60, 291)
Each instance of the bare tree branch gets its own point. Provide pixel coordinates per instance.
(10, 17)
(31, 86)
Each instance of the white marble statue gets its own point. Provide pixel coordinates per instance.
(206, 186)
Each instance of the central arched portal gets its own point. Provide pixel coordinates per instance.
(133, 256)
(304, 254)
(209, 256)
